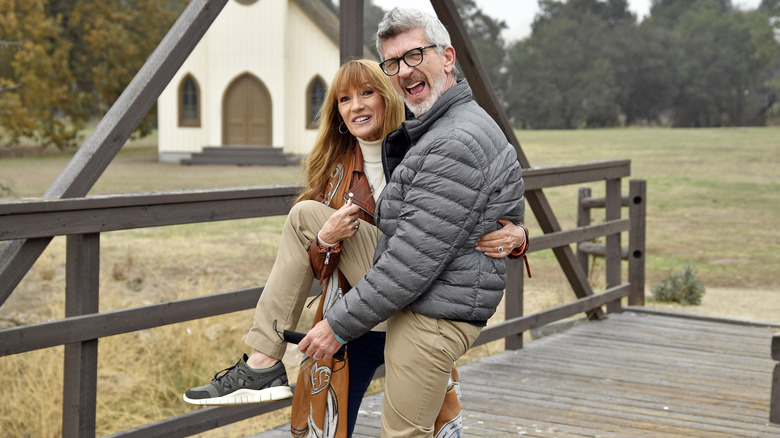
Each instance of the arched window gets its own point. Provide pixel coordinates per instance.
(315, 95)
(189, 102)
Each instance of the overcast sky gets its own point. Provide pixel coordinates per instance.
(519, 14)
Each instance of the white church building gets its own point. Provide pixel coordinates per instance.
(257, 78)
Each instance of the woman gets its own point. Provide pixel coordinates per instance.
(330, 226)
(344, 171)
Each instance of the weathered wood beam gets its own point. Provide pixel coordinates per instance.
(774, 395)
(774, 401)
(613, 245)
(501, 330)
(141, 210)
(487, 98)
(637, 212)
(81, 328)
(350, 30)
(565, 238)
(201, 420)
(124, 116)
(99, 213)
(82, 292)
(569, 174)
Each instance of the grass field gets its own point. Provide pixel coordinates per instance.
(713, 200)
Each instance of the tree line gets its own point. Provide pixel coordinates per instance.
(65, 62)
(591, 63)
(587, 63)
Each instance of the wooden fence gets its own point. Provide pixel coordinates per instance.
(774, 397)
(83, 220)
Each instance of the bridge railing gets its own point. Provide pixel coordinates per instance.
(82, 220)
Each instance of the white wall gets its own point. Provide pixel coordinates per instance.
(248, 39)
(174, 142)
(310, 53)
(273, 40)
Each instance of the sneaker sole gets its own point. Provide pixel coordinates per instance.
(245, 396)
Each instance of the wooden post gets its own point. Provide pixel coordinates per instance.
(774, 397)
(613, 253)
(637, 209)
(81, 359)
(513, 300)
(350, 30)
(583, 219)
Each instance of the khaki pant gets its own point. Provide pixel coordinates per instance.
(291, 277)
(419, 355)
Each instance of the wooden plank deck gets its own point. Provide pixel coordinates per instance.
(634, 374)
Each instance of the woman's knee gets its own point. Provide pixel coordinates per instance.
(308, 212)
(303, 207)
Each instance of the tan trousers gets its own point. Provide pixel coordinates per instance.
(291, 277)
(419, 355)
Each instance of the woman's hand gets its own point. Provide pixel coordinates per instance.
(341, 225)
(501, 242)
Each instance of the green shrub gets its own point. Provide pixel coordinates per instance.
(682, 287)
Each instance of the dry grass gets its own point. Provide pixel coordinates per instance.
(713, 200)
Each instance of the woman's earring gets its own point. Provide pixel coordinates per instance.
(345, 128)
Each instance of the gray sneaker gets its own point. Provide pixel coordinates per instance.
(241, 384)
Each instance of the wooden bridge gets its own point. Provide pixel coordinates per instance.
(638, 373)
(624, 372)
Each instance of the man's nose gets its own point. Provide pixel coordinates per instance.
(404, 69)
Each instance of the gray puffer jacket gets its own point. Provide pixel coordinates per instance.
(456, 175)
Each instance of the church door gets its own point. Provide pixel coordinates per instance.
(246, 113)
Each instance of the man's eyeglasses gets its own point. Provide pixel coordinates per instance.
(412, 58)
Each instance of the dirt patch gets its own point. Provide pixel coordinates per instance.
(754, 304)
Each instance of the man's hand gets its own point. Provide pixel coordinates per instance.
(320, 343)
(501, 242)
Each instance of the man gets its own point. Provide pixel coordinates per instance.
(452, 176)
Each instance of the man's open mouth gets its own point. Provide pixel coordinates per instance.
(416, 89)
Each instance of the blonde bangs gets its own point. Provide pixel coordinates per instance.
(354, 75)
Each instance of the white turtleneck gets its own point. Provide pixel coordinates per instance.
(372, 164)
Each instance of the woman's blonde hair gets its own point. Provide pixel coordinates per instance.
(331, 146)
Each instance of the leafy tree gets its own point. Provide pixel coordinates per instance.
(721, 59)
(564, 75)
(36, 97)
(75, 59)
(645, 74)
(692, 63)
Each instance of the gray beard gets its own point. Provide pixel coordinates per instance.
(437, 89)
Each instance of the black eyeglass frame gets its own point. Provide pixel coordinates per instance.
(398, 60)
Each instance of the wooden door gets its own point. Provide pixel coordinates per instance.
(247, 113)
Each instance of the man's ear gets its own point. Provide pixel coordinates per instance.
(449, 59)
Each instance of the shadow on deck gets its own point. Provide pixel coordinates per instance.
(639, 373)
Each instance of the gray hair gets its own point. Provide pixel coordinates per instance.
(400, 20)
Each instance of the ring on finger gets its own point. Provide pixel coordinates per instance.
(500, 249)
(357, 224)
(316, 358)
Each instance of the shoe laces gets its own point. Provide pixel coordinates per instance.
(224, 374)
